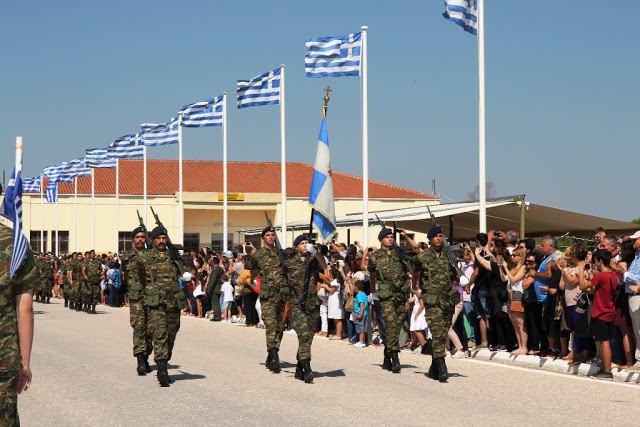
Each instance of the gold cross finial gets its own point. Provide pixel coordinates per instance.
(326, 100)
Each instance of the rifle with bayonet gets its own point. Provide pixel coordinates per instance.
(174, 253)
(408, 266)
(148, 243)
(453, 259)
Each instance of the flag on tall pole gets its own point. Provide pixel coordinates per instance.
(321, 191)
(463, 13)
(31, 185)
(51, 193)
(11, 209)
(126, 147)
(158, 134)
(333, 56)
(99, 158)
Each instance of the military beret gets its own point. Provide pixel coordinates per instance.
(384, 233)
(434, 231)
(267, 229)
(300, 239)
(136, 231)
(158, 231)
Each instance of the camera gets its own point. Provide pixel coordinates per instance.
(247, 243)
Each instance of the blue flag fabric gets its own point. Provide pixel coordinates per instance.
(51, 192)
(203, 114)
(31, 185)
(99, 158)
(53, 172)
(261, 90)
(12, 210)
(463, 13)
(157, 134)
(333, 56)
(74, 168)
(126, 147)
(321, 191)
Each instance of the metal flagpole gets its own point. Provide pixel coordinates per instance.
(283, 162)
(57, 248)
(75, 213)
(224, 171)
(365, 143)
(144, 181)
(117, 204)
(482, 192)
(181, 202)
(42, 213)
(93, 210)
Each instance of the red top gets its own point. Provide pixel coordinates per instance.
(603, 300)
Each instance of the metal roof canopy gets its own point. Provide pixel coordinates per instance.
(502, 214)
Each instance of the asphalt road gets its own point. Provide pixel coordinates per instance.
(84, 374)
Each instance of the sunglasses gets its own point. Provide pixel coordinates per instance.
(530, 262)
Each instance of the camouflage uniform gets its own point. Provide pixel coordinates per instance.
(91, 294)
(272, 293)
(393, 294)
(46, 280)
(23, 281)
(65, 282)
(138, 313)
(76, 285)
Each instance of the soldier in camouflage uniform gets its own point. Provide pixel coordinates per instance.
(16, 308)
(387, 273)
(64, 271)
(264, 263)
(38, 290)
(164, 300)
(91, 270)
(439, 298)
(303, 266)
(138, 313)
(75, 279)
(46, 280)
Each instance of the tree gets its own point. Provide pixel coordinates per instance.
(636, 221)
(474, 196)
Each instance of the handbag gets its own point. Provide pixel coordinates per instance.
(583, 303)
(322, 293)
(348, 305)
(516, 306)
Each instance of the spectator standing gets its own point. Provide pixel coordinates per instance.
(515, 276)
(227, 292)
(360, 310)
(115, 284)
(632, 289)
(542, 279)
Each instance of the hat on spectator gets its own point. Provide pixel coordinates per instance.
(434, 231)
(228, 254)
(384, 233)
(301, 238)
(187, 277)
(136, 231)
(267, 230)
(158, 231)
(635, 235)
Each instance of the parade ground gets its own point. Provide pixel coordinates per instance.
(84, 375)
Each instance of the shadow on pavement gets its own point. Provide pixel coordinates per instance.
(183, 376)
(330, 374)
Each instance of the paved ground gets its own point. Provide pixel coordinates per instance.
(84, 374)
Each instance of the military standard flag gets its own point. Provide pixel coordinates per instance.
(333, 56)
(321, 192)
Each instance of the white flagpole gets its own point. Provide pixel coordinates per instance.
(144, 182)
(181, 202)
(117, 204)
(283, 162)
(224, 172)
(42, 213)
(482, 192)
(93, 210)
(56, 250)
(365, 143)
(75, 213)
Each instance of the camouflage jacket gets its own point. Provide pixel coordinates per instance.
(294, 268)
(46, 269)
(92, 267)
(131, 266)
(76, 272)
(23, 281)
(66, 267)
(390, 274)
(266, 261)
(436, 279)
(162, 275)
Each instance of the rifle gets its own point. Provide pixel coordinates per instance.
(148, 243)
(401, 254)
(173, 249)
(453, 260)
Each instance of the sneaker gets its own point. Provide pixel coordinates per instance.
(407, 348)
(458, 355)
(603, 375)
(359, 344)
(499, 348)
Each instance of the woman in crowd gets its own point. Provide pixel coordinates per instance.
(570, 284)
(198, 292)
(622, 318)
(514, 275)
(335, 303)
(532, 311)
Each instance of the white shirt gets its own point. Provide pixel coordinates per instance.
(227, 290)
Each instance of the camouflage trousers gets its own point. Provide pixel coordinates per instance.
(138, 319)
(72, 292)
(163, 327)
(9, 399)
(44, 288)
(304, 323)
(91, 292)
(272, 313)
(394, 312)
(439, 322)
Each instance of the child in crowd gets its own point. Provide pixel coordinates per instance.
(360, 309)
(227, 293)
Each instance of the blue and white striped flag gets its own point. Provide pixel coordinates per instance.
(12, 210)
(157, 134)
(31, 185)
(321, 192)
(99, 158)
(51, 192)
(74, 168)
(261, 90)
(333, 56)
(66, 178)
(463, 13)
(126, 147)
(203, 114)
(53, 172)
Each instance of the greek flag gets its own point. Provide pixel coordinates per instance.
(65, 178)
(126, 147)
(333, 56)
(99, 158)
(74, 168)
(261, 90)
(51, 193)
(31, 185)
(203, 114)
(321, 192)
(53, 172)
(463, 13)
(12, 210)
(157, 134)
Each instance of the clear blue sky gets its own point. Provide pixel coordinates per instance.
(563, 89)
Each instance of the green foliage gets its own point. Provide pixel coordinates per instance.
(636, 221)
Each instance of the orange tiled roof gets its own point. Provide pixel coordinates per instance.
(243, 177)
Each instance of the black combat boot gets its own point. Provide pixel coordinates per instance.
(141, 362)
(66, 303)
(433, 370)
(267, 364)
(299, 374)
(71, 306)
(146, 364)
(443, 375)
(78, 307)
(37, 298)
(48, 300)
(93, 310)
(274, 364)
(306, 370)
(386, 365)
(163, 375)
(395, 363)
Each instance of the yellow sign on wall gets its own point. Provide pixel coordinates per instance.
(232, 197)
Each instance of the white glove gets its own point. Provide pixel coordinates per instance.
(311, 249)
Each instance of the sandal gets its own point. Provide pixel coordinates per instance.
(334, 338)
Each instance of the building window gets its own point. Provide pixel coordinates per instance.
(191, 242)
(63, 247)
(216, 241)
(124, 241)
(35, 239)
